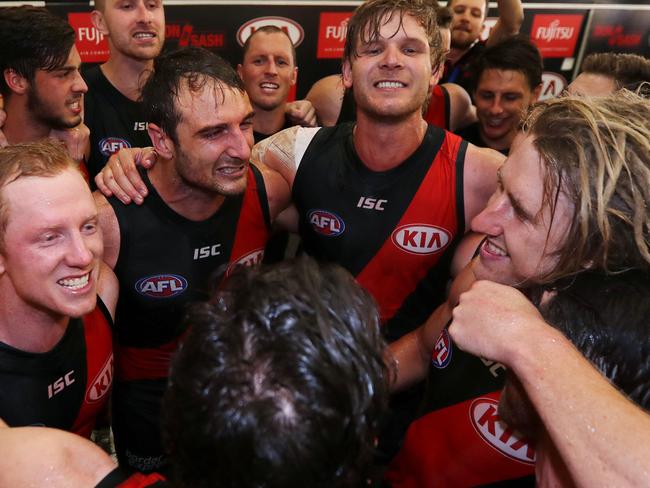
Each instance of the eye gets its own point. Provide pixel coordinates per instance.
(89, 228)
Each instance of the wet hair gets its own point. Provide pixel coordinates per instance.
(191, 68)
(44, 158)
(32, 38)
(280, 382)
(597, 151)
(268, 29)
(607, 318)
(627, 70)
(516, 53)
(369, 17)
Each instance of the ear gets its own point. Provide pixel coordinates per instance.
(294, 76)
(239, 70)
(98, 21)
(347, 73)
(2, 264)
(161, 142)
(436, 74)
(16, 82)
(536, 92)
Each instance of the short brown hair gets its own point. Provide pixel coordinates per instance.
(44, 158)
(268, 29)
(370, 16)
(597, 151)
(625, 69)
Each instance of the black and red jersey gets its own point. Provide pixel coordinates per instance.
(393, 230)
(66, 387)
(439, 108)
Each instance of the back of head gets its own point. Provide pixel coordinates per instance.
(516, 53)
(45, 158)
(189, 68)
(32, 38)
(627, 70)
(279, 383)
(367, 20)
(597, 151)
(607, 318)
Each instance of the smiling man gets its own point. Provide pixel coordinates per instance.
(56, 359)
(208, 210)
(41, 86)
(508, 81)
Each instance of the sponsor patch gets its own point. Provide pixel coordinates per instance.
(496, 433)
(101, 384)
(553, 84)
(331, 34)
(161, 286)
(91, 44)
(253, 258)
(293, 29)
(441, 354)
(326, 223)
(556, 35)
(110, 145)
(420, 238)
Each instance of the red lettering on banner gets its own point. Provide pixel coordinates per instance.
(556, 35)
(91, 44)
(331, 34)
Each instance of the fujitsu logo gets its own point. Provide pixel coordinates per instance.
(554, 32)
(89, 34)
(337, 32)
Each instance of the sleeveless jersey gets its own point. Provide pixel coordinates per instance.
(459, 440)
(438, 108)
(167, 262)
(389, 229)
(114, 120)
(66, 387)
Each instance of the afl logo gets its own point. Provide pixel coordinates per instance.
(553, 84)
(441, 354)
(253, 258)
(161, 286)
(420, 238)
(100, 386)
(110, 145)
(293, 29)
(326, 223)
(497, 434)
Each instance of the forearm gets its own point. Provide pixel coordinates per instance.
(603, 438)
(511, 16)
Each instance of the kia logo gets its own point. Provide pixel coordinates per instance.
(420, 238)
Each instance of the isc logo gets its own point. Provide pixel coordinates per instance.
(102, 382)
(59, 384)
(486, 422)
(441, 354)
(140, 125)
(161, 286)
(207, 251)
(420, 238)
(371, 203)
(110, 145)
(326, 223)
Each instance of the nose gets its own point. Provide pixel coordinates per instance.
(240, 144)
(489, 221)
(144, 13)
(496, 107)
(79, 253)
(391, 57)
(271, 67)
(79, 85)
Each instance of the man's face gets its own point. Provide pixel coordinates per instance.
(391, 76)
(592, 85)
(52, 244)
(268, 70)
(55, 98)
(135, 28)
(521, 241)
(501, 98)
(467, 22)
(215, 136)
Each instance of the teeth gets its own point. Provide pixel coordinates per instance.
(144, 35)
(493, 249)
(269, 85)
(230, 170)
(495, 122)
(75, 283)
(390, 84)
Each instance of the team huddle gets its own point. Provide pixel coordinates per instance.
(468, 307)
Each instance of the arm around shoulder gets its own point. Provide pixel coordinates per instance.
(479, 178)
(326, 95)
(462, 113)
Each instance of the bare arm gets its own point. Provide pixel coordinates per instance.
(40, 456)
(110, 232)
(511, 16)
(480, 178)
(326, 95)
(461, 111)
(603, 438)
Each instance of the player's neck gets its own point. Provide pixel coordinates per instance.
(188, 201)
(499, 143)
(27, 328)
(455, 53)
(268, 122)
(385, 145)
(126, 74)
(20, 125)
